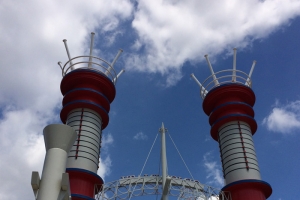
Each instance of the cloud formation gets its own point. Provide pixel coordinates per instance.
(284, 118)
(214, 173)
(31, 44)
(31, 34)
(172, 32)
(140, 136)
(105, 160)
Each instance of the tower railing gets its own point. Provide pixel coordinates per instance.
(224, 77)
(98, 64)
(88, 62)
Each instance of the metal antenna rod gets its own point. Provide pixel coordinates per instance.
(212, 71)
(162, 130)
(59, 63)
(202, 88)
(91, 49)
(250, 73)
(69, 56)
(114, 61)
(234, 66)
(119, 74)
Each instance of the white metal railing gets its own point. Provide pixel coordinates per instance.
(98, 65)
(183, 189)
(228, 76)
(92, 63)
(224, 77)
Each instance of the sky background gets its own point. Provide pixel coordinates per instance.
(163, 42)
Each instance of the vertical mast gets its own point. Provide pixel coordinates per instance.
(162, 130)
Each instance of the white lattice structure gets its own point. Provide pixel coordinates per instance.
(131, 186)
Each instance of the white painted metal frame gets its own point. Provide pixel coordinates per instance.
(224, 77)
(131, 186)
(86, 62)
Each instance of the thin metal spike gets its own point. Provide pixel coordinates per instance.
(59, 63)
(212, 71)
(119, 74)
(234, 65)
(91, 49)
(114, 61)
(69, 56)
(202, 88)
(250, 74)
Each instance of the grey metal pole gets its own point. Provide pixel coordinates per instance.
(234, 66)
(162, 130)
(91, 50)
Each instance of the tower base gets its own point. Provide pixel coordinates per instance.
(249, 190)
(84, 184)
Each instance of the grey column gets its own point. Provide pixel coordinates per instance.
(237, 152)
(84, 154)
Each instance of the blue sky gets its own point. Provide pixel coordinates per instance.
(163, 42)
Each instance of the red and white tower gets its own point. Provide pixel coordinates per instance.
(228, 100)
(88, 87)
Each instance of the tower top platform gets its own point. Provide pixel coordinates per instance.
(91, 62)
(224, 77)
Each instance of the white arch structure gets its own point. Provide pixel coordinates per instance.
(130, 186)
(166, 186)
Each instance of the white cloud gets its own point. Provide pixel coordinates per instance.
(31, 44)
(284, 118)
(140, 136)
(107, 139)
(173, 32)
(214, 175)
(22, 151)
(105, 160)
(209, 198)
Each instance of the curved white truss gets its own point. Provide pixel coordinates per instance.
(131, 186)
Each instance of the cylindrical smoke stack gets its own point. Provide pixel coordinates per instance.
(59, 139)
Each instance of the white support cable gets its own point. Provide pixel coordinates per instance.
(181, 156)
(144, 164)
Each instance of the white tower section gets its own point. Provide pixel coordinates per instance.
(86, 148)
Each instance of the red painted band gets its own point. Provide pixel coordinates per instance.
(83, 182)
(230, 108)
(88, 95)
(86, 78)
(234, 117)
(228, 93)
(249, 190)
